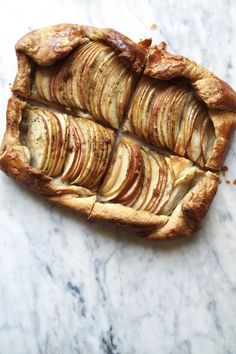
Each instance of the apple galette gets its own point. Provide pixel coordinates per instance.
(116, 130)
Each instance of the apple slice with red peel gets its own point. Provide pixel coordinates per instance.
(73, 82)
(160, 92)
(73, 152)
(180, 140)
(124, 93)
(134, 185)
(73, 76)
(57, 142)
(165, 114)
(89, 165)
(86, 150)
(176, 109)
(117, 173)
(35, 135)
(104, 70)
(98, 56)
(42, 81)
(145, 185)
(136, 104)
(91, 54)
(106, 142)
(135, 165)
(194, 148)
(98, 81)
(108, 95)
(146, 111)
(63, 122)
(154, 183)
(52, 147)
(165, 194)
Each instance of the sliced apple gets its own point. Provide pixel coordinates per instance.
(73, 152)
(131, 190)
(35, 135)
(42, 81)
(194, 148)
(154, 183)
(180, 188)
(107, 98)
(106, 142)
(176, 110)
(145, 183)
(153, 132)
(52, 144)
(117, 173)
(180, 140)
(165, 115)
(63, 124)
(207, 138)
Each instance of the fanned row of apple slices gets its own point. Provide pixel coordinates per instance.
(90, 147)
(171, 117)
(45, 133)
(76, 149)
(92, 79)
(144, 180)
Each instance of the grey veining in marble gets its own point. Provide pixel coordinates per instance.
(69, 287)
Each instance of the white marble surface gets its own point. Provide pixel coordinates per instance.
(67, 286)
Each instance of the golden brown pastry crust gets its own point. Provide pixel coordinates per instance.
(46, 46)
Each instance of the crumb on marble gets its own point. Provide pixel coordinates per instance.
(234, 181)
(224, 169)
(153, 26)
(227, 181)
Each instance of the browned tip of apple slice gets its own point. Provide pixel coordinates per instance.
(35, 134)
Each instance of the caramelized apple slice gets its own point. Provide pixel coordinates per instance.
(53, 136)
(63, 123)
(138, 104)
(194, 148)
(175, 114)
(146, 110)
(35, 135)
(98, 56)
(90, 164)
(73, 152)
(106, 142)
(169, 182)
(165, 114)
(87, 146)
(154, 183)
(108, 95)
(160, 92)
(42, 82)
(117, 173)
(124, 93)
(101, 78)
(145, 185)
